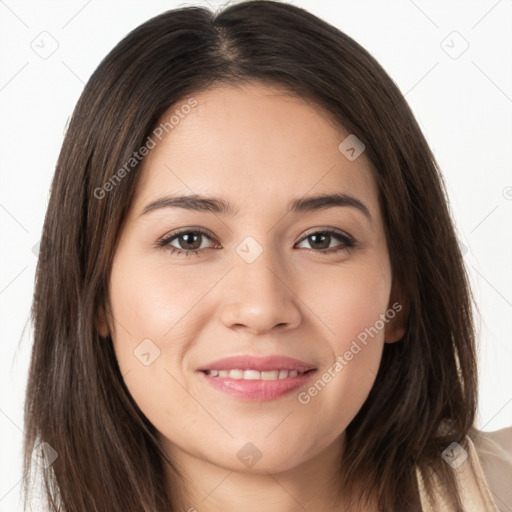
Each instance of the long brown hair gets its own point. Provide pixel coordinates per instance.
(108, 453)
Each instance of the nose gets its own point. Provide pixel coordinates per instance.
(259, 296)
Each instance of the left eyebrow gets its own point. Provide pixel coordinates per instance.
(217, 205)
(320, 202)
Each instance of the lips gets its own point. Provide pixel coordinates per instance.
(257, 378)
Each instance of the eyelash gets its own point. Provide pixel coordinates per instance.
(349, 243)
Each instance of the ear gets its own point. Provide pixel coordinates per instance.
(397, 313)
(101, 323)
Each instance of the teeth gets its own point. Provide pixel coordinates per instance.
(254, 374)
(250, 374)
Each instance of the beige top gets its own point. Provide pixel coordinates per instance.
(483, 473)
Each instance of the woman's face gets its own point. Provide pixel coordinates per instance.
(267, 280)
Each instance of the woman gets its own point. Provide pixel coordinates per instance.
(250, 293)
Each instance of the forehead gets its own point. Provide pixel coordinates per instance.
(249, 144)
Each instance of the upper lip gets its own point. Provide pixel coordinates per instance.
(262, 364)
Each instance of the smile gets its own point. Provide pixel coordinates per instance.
(255, 386)
(254, 374)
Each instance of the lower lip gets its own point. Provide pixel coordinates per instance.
(259, 390)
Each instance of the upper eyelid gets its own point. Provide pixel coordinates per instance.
(176, 234)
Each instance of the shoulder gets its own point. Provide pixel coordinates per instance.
(494, 450)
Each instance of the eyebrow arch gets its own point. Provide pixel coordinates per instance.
(216, 205)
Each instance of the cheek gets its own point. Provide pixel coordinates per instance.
(150, 303)
(349, 302)
(156, 316)
(150, 332)
(353, 305)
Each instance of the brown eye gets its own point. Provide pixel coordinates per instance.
(187, 242)
(320, 241)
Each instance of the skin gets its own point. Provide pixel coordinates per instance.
(258, 148)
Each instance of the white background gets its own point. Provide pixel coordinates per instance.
(463, 104)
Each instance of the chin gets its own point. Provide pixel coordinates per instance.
(260, 457)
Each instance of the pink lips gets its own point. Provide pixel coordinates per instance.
(258, 389)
